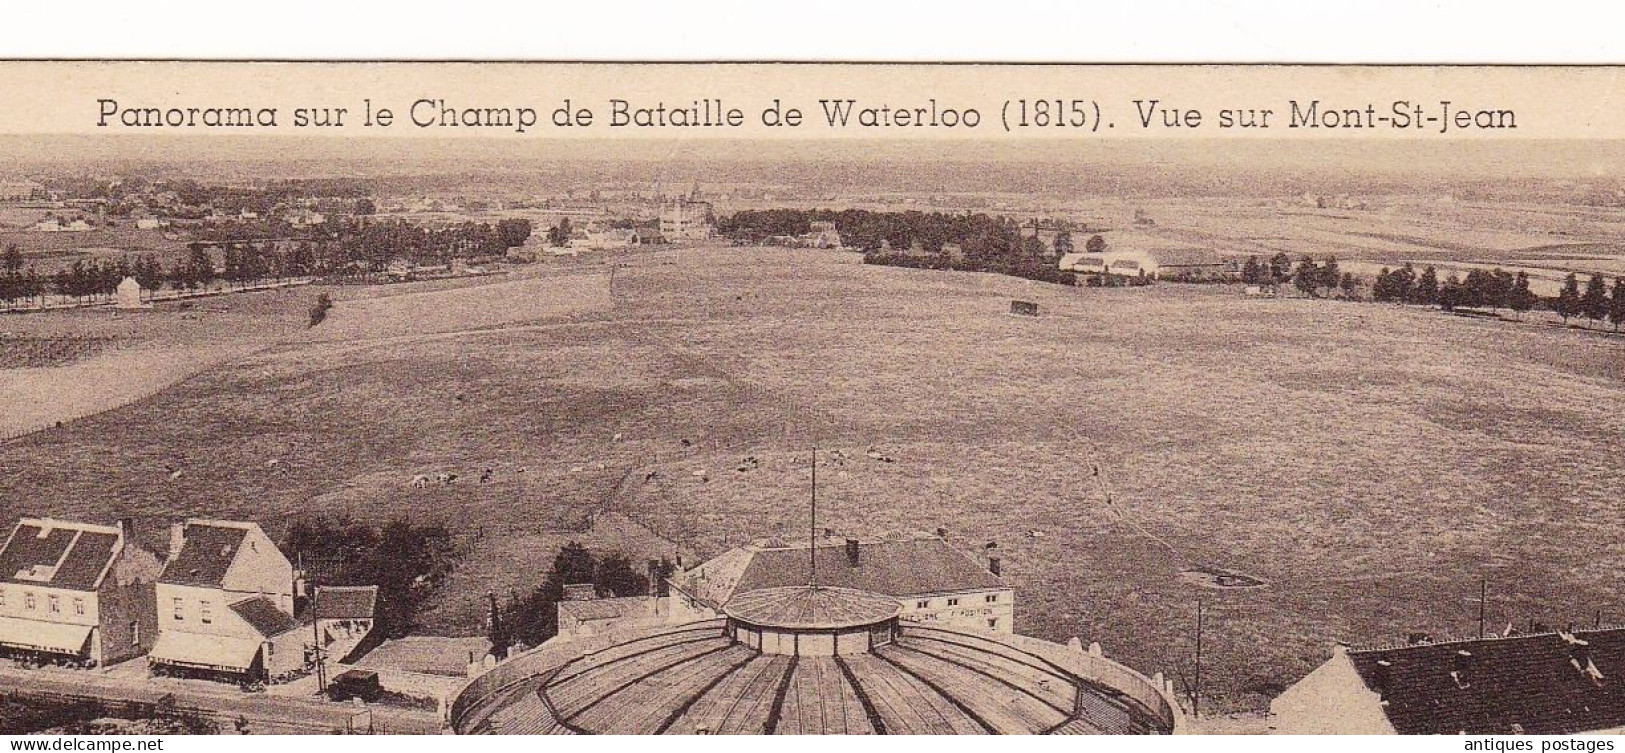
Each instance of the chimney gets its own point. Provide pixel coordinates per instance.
(993, 565)
(126, 527)
(177, 537)
(942, 533)
(852, 552)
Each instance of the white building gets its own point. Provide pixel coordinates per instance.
(75, 592)
(686, 220)
(1540, 684)
(128, 295)
(225, 605)
(933, 582)
(1136, 256)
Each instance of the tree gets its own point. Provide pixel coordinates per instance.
(1063, 242)
(1616, 304)
(1521, 299)
(1280, 268)
(1594, 304)
(1252, 272)
(559, 235)
(1095, 244)
(1350, 285)
(1567, 303)
(1452, 294)
(199, 267)
(1330, 276)
(1307, 277)
(614, 574)
(1426, 291)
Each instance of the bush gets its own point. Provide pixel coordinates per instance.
(318, 312)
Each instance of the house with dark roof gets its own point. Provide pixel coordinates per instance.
(225, 606)
(344, 616)
(934, 583)
(75, 593)
(1559, 683)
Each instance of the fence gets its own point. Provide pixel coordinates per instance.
(56, 302)
(154, 703)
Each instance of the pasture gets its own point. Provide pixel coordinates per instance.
(1369, 463)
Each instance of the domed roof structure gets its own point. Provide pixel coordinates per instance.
(811, 608)
(810, 660)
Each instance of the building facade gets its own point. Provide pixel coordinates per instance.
(685, 220)
(75, 593)
(225, 606)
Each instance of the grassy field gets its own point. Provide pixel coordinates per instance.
(1370, 463)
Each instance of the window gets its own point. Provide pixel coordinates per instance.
(993, 623)
(204, 613)
(29, 601)
(953, 602)
(78, 605)
(991, 598)
(922, 604)
(2, 597)
(54, 604)
(180, 608)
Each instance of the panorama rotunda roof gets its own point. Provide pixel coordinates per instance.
(811, 608)
(700, 678)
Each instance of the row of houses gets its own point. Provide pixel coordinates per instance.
(223, 602)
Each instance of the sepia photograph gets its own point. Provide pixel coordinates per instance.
(638, 399)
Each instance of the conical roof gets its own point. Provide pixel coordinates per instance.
(811, 608)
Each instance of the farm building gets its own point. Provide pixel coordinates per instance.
(344, 615)
(605, 239)
(225, 605)
(75, 592)
(1137, 256)
(685, 219)
(811, 659)
(932, 582)
(1541, 684)
(582, 618)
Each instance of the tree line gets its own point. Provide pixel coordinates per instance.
(358, 247)
(1478, 289)
(984, 243)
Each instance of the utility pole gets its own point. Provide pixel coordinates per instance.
(1196, 686)
(1483, 599)
(316, 632)
(812, 528)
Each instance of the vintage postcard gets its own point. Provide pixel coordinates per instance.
(525, 398)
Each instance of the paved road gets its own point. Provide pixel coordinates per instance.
(226, 703)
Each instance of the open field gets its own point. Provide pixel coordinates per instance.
(1370, 463)
(1546, 241)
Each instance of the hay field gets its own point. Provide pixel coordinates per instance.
(1371, 463)
(1546, 241)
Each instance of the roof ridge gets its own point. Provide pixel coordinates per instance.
(1452, 641)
